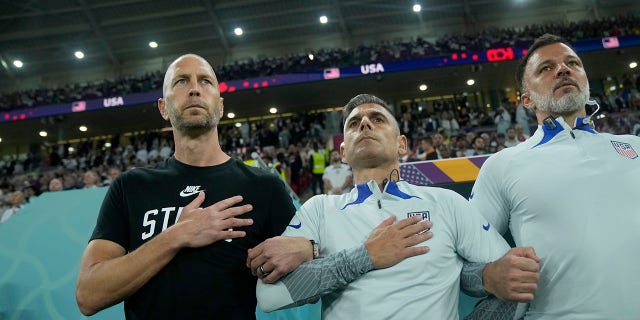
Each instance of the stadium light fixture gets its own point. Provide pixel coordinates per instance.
(153, 44)
(107, 145)
(43, 133)
(231, 115)
(324, 19)
(238, 124)
(79, 54)
(238, 31)
(18, 63)
(423, 87)
(417, 8)
(0, 139)
(273, 110)
(471, 82)
(311, 56)
(83, 128)
(633, 65)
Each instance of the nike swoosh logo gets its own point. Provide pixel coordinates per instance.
(187, 194)
(486, 228)
(296, 226)
(471, 196)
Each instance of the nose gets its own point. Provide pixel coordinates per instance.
(365, 123)
(194, 90)
(563, 70)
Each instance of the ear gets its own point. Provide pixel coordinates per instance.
(343, 155)
(402, 145)
(527, 102)
(221, 107)
(163, 109)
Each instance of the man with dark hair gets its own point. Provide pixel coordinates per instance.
(371, 267)
(567, 191)
(428, 152)
(160, 244)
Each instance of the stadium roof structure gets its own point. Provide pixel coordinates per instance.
(114, 37)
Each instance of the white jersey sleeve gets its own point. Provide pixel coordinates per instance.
(317, 277)
(488, 198)
(476, 240)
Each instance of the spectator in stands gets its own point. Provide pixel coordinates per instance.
(426, 151)
(55, 185)
(90, 179)
(523, 115)
(337, 176)
(503, 118)
(511, 139)
(317, 164)
(445, 152)
(17, 199)
(521, 135)
(477, 148)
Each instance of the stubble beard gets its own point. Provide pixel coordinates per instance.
(194, 126)
(569, 103)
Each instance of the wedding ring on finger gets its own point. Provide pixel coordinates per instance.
(262, 273)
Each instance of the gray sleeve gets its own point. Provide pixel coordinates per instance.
(492, 308)
(471, 279)
(313, 279)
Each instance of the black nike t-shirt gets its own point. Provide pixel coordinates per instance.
(211, 282)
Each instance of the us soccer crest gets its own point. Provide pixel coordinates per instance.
(424, 214)
(625, 149)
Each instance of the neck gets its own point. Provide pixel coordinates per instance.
(569, 118)
(200, 151)
(365, 175)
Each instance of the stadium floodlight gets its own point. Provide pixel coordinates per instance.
(231, 115)
(423, 87)
(153, 44)
(471, 82)
(82, 128)
(324, 19)
(18, 63)
(79, 54)
(633, 65)
(273, 110)
(238, 31)
(417, 8)
(43, 133)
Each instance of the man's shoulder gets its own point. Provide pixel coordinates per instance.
(431, 191)
(628, 138)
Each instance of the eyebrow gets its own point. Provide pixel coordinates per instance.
(564, 58)
(199, 76)
(370, 114)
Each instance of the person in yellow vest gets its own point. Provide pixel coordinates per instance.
(282, 166)
(248, 159)
(318, 163)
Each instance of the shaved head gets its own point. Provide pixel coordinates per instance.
(171, 70)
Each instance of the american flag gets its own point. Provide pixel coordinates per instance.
(624, 149)
(331, 73)
(610, 42)
(78, 106)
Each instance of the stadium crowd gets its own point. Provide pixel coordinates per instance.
(438, 131)
(386, 51)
